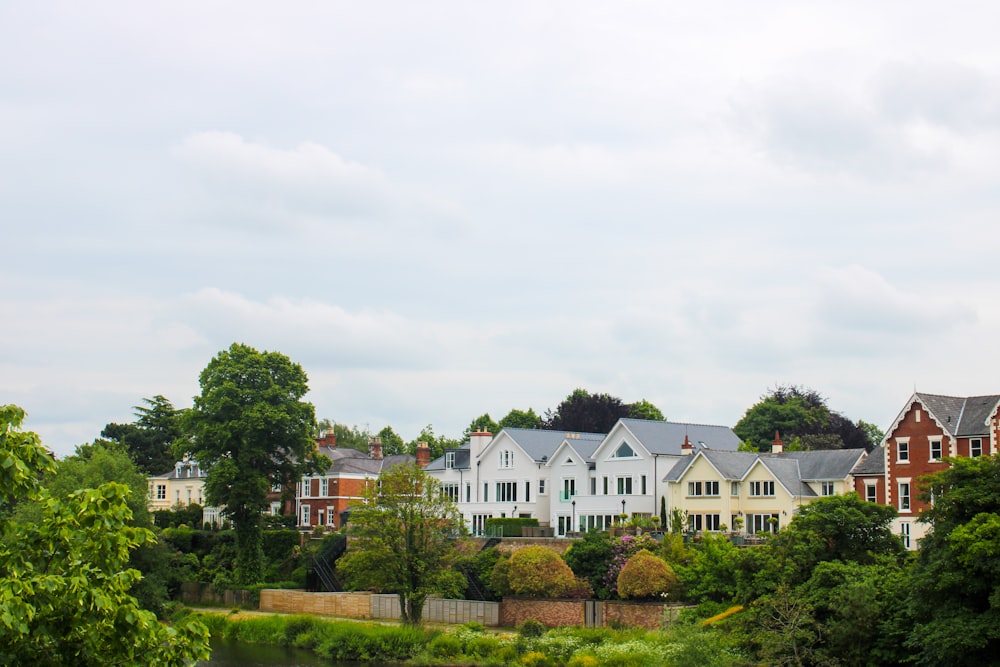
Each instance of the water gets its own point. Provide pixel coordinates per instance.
(230, 654)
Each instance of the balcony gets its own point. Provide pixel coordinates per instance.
(566, 496)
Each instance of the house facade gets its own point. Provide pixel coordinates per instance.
(571, 481)
(181, 486)
(324, 499)
(927, 429)
(756, 493)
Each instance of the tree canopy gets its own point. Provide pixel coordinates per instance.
(520, 419)
(64, 579)
(586, 413)
(800, 413)
(150, 438)
(250, 430)
(402, 540)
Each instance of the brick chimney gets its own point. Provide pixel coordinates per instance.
(423, 454)
(375, 448)
(687, 449)
(777, 446)
(327, 439)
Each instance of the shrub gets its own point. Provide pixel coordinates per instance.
(646, 577)
(537, 659)
(445, 646)
(531, 628)
(540, 572)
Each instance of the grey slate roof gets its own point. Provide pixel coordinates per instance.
(351, 461)
(540, 444)
(874, 464)
(188, 471)
(667, 437)
(961, 416)
(461, 459)
(792, 469)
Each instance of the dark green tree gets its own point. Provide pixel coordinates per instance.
(402, 540)
(798, 412)
(589, 558)
(520, 419)
(586, 413)
(250, 429)
(151, 437)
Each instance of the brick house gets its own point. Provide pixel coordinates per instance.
(321, 500)
(928, 428)
(869, 476)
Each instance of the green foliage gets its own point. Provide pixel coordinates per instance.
(149, 440)
(481, 423)
(646, 577)
(401, 539)
(536, 571)
(643, 409)
(589, 558)
(435, 443)
(955, 587)
(64, 584)
(798, 412)
(520, 419)
(392, 442)
(707, 570)
(531, 628)
(249, 429)
(872, 432)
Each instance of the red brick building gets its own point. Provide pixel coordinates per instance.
(929, 428)
(321, 500)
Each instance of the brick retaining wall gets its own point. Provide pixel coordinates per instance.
(553, 613)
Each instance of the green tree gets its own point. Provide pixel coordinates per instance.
(150, 438)
(584, 412)
(798, 412)
(873, 433)
(402, 540)
(481, 423)
(436, 443)
(63, 578)
(643, 409)
(537, 571)
(955, 588)
(590, 556)
(392, 443)
(250, 430)
(520, 419)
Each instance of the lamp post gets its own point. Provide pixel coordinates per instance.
(623, 511)
(572, 523)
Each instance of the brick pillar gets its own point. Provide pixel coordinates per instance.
(423, 454)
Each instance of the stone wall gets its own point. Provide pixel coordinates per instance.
(553, 613)
(649, 615)
(351, 605)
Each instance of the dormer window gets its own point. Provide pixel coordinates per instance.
(449, 460)
(624, 452)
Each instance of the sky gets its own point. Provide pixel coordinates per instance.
(441, 209)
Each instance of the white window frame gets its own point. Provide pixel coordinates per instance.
(619, 455)
(760, 488)
(161, 491)
(304, 515)
(871, 492)
(541, 487)
(902, 450)
(449, 460)
(712, 522)
(935, 444)
(450, 490)
(904, 500)
(324, 485)
(827, 488)
(506, 492)
(624, 485)
(904, 533)
(975, 447)
(506, 459)
(734, 489)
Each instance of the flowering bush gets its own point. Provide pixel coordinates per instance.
(540, 572)
(624, 548)
(645, 577)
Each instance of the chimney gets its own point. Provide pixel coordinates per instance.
(777, 446)
(477, 443)
(423, 454)
(375, 448)
(327, 439)
(687, 449)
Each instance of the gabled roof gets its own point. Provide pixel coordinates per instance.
(540, 444)
(666, 438)
(584, 449)
(873, 464)
(351, 461)
(958, 416)
(791, 469)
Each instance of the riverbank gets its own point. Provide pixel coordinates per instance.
(680, 645)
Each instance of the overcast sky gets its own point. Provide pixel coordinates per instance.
(441, 209)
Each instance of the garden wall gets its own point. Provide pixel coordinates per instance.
(195, 593)
(649, 615)
(553, 613)
(381, 607)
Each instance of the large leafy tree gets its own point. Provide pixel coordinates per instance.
(392, 442)
(151, 436)
(799, 413)
(520, 419)
(250, 429)
(64, 579)
(586, 413)
(402, 540)
(955, 590)
(481, 423)
(643, 409)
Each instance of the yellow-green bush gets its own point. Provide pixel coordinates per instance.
(646, 577)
